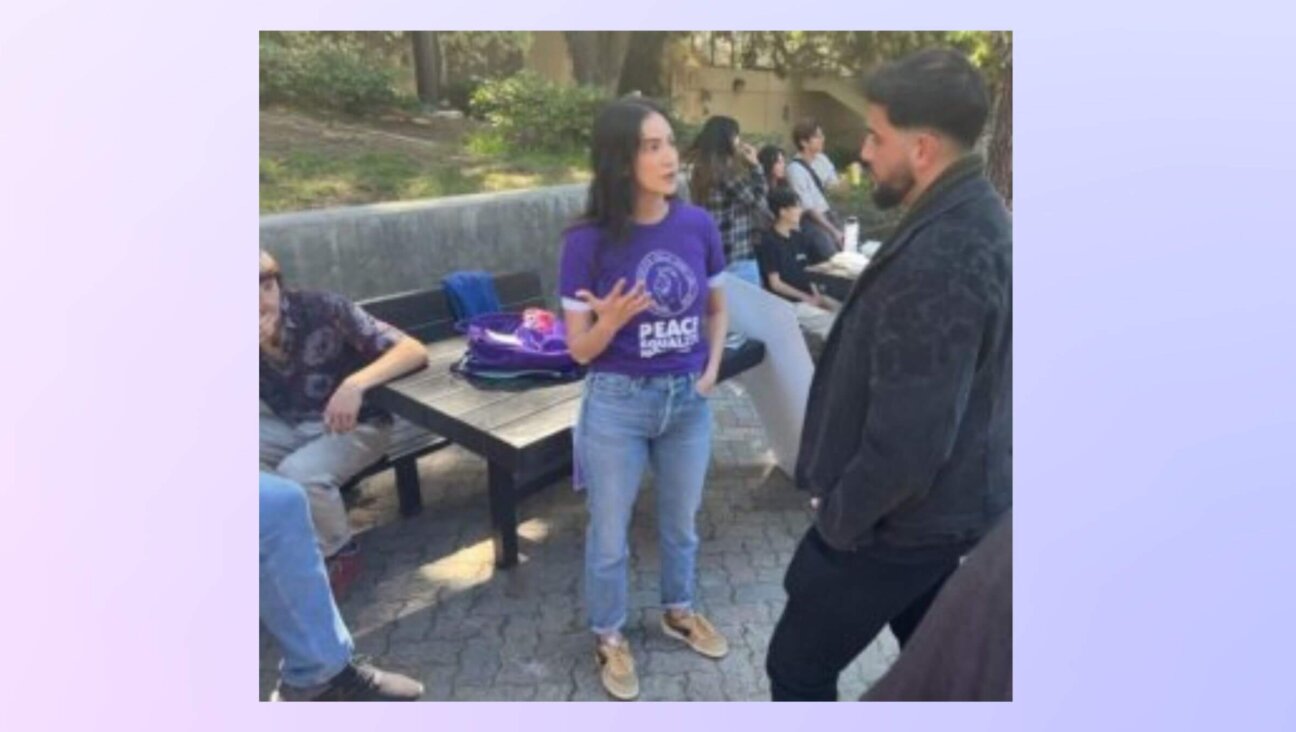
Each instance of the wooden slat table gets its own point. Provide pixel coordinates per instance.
(524, 435)
(833, 280)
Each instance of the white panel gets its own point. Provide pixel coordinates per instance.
(780, 385)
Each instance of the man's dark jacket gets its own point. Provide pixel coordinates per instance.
(908, 432)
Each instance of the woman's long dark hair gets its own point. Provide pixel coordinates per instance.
(617, 131)
(713, 157)
(768, 156)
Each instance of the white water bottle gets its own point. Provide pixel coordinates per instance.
(851, 235)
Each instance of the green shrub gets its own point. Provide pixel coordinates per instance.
(328, 75)
(842, 154)
(458, 94)
(685, 133)
(531, 113)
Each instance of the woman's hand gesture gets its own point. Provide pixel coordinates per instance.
(618, 307)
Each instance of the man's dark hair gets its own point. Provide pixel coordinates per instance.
(803, 130)
(782, 197)
(937, 88)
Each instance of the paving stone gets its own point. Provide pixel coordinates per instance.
(524, 671)
(431, 601)
(420, 654)
(437, 685)
(662, 687)
(554, 691)
(759, 592)
(673, 662)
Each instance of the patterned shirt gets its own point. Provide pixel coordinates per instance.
(739, 208)
(326, 338)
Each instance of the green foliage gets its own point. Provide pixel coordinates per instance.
(472, 57)
(334, 72)
(841, 152)
(685, 133)
(305, 179)
(531, 113)
(458, 93)
(761, 139)
(482, 54)
(855, 52)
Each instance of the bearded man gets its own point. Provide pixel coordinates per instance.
(906, 450)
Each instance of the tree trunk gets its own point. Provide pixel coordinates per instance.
(427, 66)
(644, 69)
(1000, 152)
(597, 56)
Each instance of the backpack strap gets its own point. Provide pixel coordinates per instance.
(813, 176)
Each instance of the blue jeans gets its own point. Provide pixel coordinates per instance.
(296, 602)
(625, 424)
(745, 269)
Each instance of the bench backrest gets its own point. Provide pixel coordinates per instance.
(425, 314)
(519, 290)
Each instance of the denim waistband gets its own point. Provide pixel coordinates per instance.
(664, 381)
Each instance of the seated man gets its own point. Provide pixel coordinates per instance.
(812, 174)
(298, 610)
(319, 354)
(783, 254)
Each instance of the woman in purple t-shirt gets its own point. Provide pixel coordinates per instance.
(640, 284)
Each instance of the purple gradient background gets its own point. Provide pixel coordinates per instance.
(1154, 393)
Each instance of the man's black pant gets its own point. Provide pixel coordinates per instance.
(837, 604)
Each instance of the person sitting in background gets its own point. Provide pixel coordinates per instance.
(728, 182)
(320, 353)
(784, 253)
(811, 174)
(774, 163)
(298, 610)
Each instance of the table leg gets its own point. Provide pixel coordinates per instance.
(503, 508)
(407, 487)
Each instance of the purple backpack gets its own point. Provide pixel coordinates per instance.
(517, 345)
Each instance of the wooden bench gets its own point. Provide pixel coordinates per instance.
(425, 315)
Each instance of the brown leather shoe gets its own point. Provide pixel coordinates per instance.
(697, 632)
(617, 670)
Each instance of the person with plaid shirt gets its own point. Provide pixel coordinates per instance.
(728, 181)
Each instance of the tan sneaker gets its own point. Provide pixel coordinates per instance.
(617, 670)
(697, 632)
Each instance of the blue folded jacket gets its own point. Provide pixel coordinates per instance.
(470, 293)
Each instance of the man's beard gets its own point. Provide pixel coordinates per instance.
(889, 195)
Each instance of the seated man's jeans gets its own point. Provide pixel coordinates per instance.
(296, 602)
(322, 462)
(626, 424)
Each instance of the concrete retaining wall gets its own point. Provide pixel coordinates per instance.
(364, 251)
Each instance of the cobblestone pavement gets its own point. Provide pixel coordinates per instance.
(431, 604)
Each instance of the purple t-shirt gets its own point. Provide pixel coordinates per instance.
(679, 259)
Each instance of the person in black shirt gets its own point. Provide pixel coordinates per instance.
(783, 255)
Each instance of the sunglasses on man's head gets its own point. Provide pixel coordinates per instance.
(271, 275)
